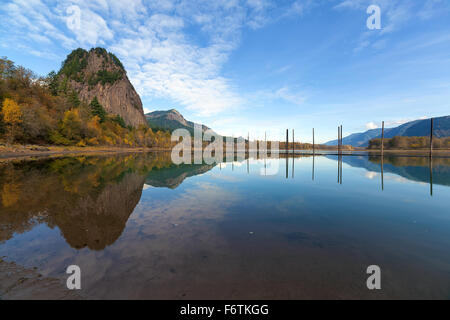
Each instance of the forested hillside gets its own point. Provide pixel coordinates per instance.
(44, 110)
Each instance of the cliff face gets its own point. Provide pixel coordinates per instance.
(100, 74)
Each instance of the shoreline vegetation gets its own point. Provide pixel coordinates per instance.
(49, 111)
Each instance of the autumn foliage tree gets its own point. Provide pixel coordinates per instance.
(12, 118)
(46, 110)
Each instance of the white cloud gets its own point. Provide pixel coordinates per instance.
(172, 49)
(371, 125)
(285, 93)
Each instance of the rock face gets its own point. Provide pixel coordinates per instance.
(100, 74)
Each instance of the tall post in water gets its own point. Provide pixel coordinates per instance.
(287, 140)
(293, 142)
(342, 140)
(431, 138)
(248, 143)
(265, 140)
(382, 138)
(339, 141)
(314, 145)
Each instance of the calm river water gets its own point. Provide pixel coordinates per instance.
(141, 227)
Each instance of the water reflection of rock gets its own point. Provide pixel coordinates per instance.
(174, 176)
(97, 222)
(88, 199)
(411, 168)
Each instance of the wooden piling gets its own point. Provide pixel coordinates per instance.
(431, 138)
(287, 141)
(293, 142)
(382, 138)
(340, 140)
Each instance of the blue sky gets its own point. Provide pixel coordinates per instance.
(254, 65)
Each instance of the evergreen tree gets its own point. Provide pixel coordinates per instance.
(97, 109)
(73, 99)
(53, 85)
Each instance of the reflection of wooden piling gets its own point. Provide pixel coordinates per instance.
(382, 139)
(293, 166)
(313, 167)
(339, 168)
(287, 167)
(431, 176)
(431, 138)
(248, 165)
(382, 172)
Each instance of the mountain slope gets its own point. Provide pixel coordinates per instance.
(170, 120)
(416, 128)
(98, 73)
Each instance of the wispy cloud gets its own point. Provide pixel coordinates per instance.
(395, 15)
(172, 49)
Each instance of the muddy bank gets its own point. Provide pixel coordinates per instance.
(24, 152)
(17, 282)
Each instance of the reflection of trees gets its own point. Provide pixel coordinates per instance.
(88, 198)
(411, 168)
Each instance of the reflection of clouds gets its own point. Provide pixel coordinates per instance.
(371, 175)
(227, 178)
(399, 179)
(203, 201)
(146, 186)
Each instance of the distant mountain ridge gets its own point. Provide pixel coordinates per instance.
(416, 128)
(171, 120)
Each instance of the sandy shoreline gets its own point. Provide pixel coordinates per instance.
(31, 151)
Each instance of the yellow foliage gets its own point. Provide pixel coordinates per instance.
(12, 113)
(92, 141)
(81, 143)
